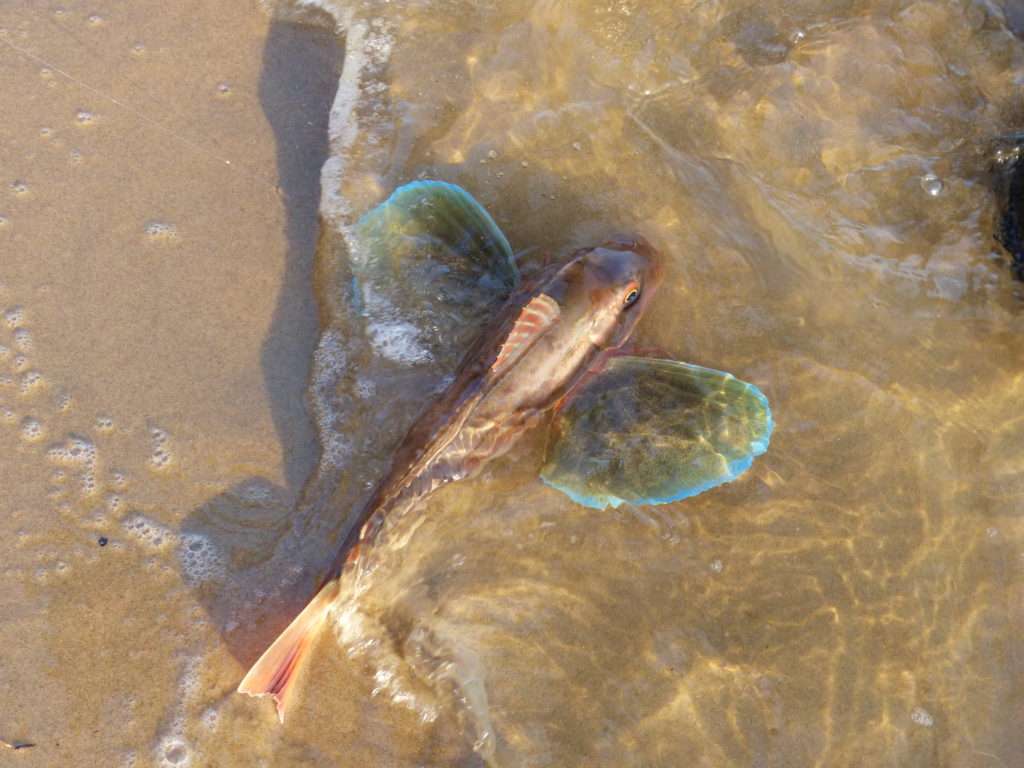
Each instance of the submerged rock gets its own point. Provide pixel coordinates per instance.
(1008, 180)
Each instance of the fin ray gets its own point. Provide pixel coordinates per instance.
(533, 321)
(430, 259)
(649, 431)
(275, 672)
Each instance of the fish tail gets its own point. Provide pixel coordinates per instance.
(276, 671)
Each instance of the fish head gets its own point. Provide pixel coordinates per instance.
(611, 286)
(589, 306)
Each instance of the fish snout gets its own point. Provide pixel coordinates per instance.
(650, 257)
(636, 243)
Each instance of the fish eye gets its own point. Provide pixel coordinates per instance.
(631, 296)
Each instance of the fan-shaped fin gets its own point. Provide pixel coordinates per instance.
(429, 267)
(647, 431)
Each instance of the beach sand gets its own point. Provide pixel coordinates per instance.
(176, 345)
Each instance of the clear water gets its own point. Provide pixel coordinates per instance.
(815, 174)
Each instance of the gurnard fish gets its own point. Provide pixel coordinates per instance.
(555, 346)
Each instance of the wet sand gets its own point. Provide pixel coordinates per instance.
(176, 346)
(160, 191)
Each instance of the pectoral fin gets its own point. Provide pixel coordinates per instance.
(647, 431)
(431, 259)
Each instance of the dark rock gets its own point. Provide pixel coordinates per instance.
(1008, 183)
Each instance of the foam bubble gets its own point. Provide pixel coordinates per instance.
(30, 381)
(366, 387)
(74, 451)
(922, 717)
(329, 363)
(161, 456)
(173, 752)
(931, 184)
(23, 339)
(392, 337)
(14, 316)
(151, 534)
(45, 132)
(32, 429)
(104, 423)
(85, 117)
(367, 47)
(138, 49)
(78, 453)
(255, 491)
(95, 20)
(223, 89)
(201, 560)
(19, 187)
(160, 230)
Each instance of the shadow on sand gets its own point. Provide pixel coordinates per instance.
(271, 569)
(301, 66)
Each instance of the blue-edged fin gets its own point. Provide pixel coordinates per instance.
(649, 431)
(431, 258)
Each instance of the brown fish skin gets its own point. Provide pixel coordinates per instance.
(487, 408)
(543, 343)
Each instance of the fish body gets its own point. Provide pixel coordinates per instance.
(626, 429)
(542, 344)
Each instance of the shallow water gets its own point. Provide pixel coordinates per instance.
(815, 174)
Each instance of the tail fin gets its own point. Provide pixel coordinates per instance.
(276, 670)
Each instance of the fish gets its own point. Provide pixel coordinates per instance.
(556, 346)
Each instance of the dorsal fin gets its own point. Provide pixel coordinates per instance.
(533, 320)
